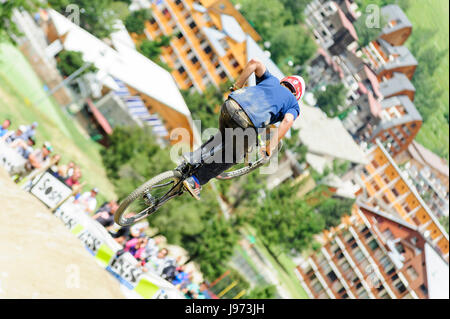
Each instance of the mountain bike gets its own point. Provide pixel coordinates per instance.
(157, 191)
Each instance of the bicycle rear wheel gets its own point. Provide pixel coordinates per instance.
(148, 197)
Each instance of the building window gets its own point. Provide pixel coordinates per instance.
(194, 60)
(179, 35)
(207, 49)
(412, 273)
(223, 75)
(373, 244)
(394, 190)
(359, 255)
(181, 70)
(192, 25)
(400, 287)
(178, 2)
(332, 276)
(424, 289)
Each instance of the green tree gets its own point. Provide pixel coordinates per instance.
(206, 106)
(265, 21)
(121, 9)
(329, 100)
(292, 42)
(7, 26)
(151, 49)
(214, 245)
(285, 221)
(262, 292)
(296, 8)
(70, 61)
(135, 21)
(367, 34)
(97, 17)
(428, 94)
(332, 209)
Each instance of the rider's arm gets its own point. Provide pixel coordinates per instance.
(284, 127)
(254, 65)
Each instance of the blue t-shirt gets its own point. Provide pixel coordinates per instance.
(267, 102)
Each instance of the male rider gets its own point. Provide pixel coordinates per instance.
(249, 109)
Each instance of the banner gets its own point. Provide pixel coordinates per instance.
(104, 248)
(50, 190)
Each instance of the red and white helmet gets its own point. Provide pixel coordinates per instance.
(296, 83)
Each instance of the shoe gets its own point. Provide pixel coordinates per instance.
(193, 187)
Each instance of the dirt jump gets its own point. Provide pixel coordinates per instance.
(39, 257)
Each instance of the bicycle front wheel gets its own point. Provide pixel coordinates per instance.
(148, 197)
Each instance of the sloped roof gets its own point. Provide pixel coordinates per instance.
(393, 12)
(232, 28)
(403, 58)
(398, 83)
(403, 100)
(124, 63)
(327, 136)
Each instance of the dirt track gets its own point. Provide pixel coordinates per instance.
(39, 257)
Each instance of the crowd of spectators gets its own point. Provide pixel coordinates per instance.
(149, 251)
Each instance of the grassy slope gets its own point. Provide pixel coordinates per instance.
(289, 280)
(434, 15)
(21, 93)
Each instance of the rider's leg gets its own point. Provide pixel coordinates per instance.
(233, 149)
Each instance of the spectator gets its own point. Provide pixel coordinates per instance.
(88, 200)
(181, 276)
(70, 169)
(139, 228)
(152, 247)
(157, 262)
(169, 269)
(55, 159)
(30, 130)
(4, 128)
(204, 292)
(136, 246)
(190, 289)
(11, 136)
(121, 236)
(39, 158)
(73, 180)
(24, 148)
(109, 207)
(106, 216)
(61, 172)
